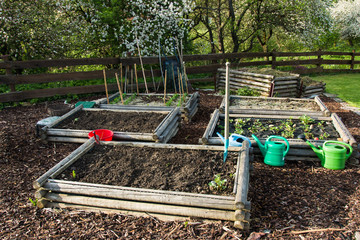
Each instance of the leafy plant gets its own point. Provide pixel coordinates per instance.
(246, 91)
(127, 101)
(218, 184)
(306, 120)
(33, 202)
(324, 135)
(73, 174)
(174, 97)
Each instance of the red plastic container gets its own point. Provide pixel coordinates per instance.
(102, 134)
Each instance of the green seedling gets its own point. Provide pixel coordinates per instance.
(174, 97)
(218, 184)
(306, 120)
(323, 136)
(73, 174)
(33, 202)
(127, 101)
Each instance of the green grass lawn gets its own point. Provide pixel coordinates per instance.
(346, 86)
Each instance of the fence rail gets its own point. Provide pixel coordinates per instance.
(317, 62)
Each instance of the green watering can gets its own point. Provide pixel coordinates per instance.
(273, 152)
(333, 154)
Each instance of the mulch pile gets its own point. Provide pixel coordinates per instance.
(299, 201)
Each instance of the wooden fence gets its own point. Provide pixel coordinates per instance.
(316, 62)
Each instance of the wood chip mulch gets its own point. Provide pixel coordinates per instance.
(299, 201)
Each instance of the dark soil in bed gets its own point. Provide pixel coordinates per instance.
(145, 122)
(154, 168)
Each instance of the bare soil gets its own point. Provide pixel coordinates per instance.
(299, 201)
(154, 168)
(144, 122)
(284, 104)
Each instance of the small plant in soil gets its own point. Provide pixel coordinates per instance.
(73, 174)
(217, 184)
(127, 101)
(288, 128)
(256, 126)
(33, 202)
(182, 99)
(173, 98)
(116, 100)
(306, 120)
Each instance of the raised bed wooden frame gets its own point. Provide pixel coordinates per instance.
(166, 205)
(299, 150)
(163, 133)
(324, 111)
(187, 112)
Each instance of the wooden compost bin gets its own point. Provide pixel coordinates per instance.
(299, 150)
(308, 91)
(166, 205)
(188, 110)
(267, 85)
(242, 108)
(163, 133)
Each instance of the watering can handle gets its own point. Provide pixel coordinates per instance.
(281, 138)
(342, 143)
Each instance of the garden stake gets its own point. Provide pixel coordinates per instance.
(226, 111)
(179, 85)
(125, 78)
(165, 87)
(132, 79)
(153, 79)
(172, 69)
(137, 84)
(186, 79)
(142, 66)
(106, 90)
(121, 73)
(120, 92)
(182, 84)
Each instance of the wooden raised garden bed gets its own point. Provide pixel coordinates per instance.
(266, 85)
(155, 102)
(134, 124)
(323, 128)
(275, 106)
(168, 181)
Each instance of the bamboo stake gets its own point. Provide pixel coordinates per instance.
(142, 66)
(172, 69)
(120, 92)
(186, 78)
(153, 79)
(121, 77)
(125, 78)
(179, 85)
(136, 77)
(106, 89)
(165, 88)
(131, 79)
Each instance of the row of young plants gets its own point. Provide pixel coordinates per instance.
(288, 128)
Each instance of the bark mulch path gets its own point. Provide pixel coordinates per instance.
(298, 201)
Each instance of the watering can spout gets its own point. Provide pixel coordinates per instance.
(261, 146)
(317, 150)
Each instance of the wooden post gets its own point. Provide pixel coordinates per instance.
(136, 78)
(106, 89)
(273, 59)
(352, 59)
(120, 92)
(319, 58)
(8, 71)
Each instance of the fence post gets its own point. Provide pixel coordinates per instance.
(319, 62)
(352, 59)
(8, 71)
(273, 59)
